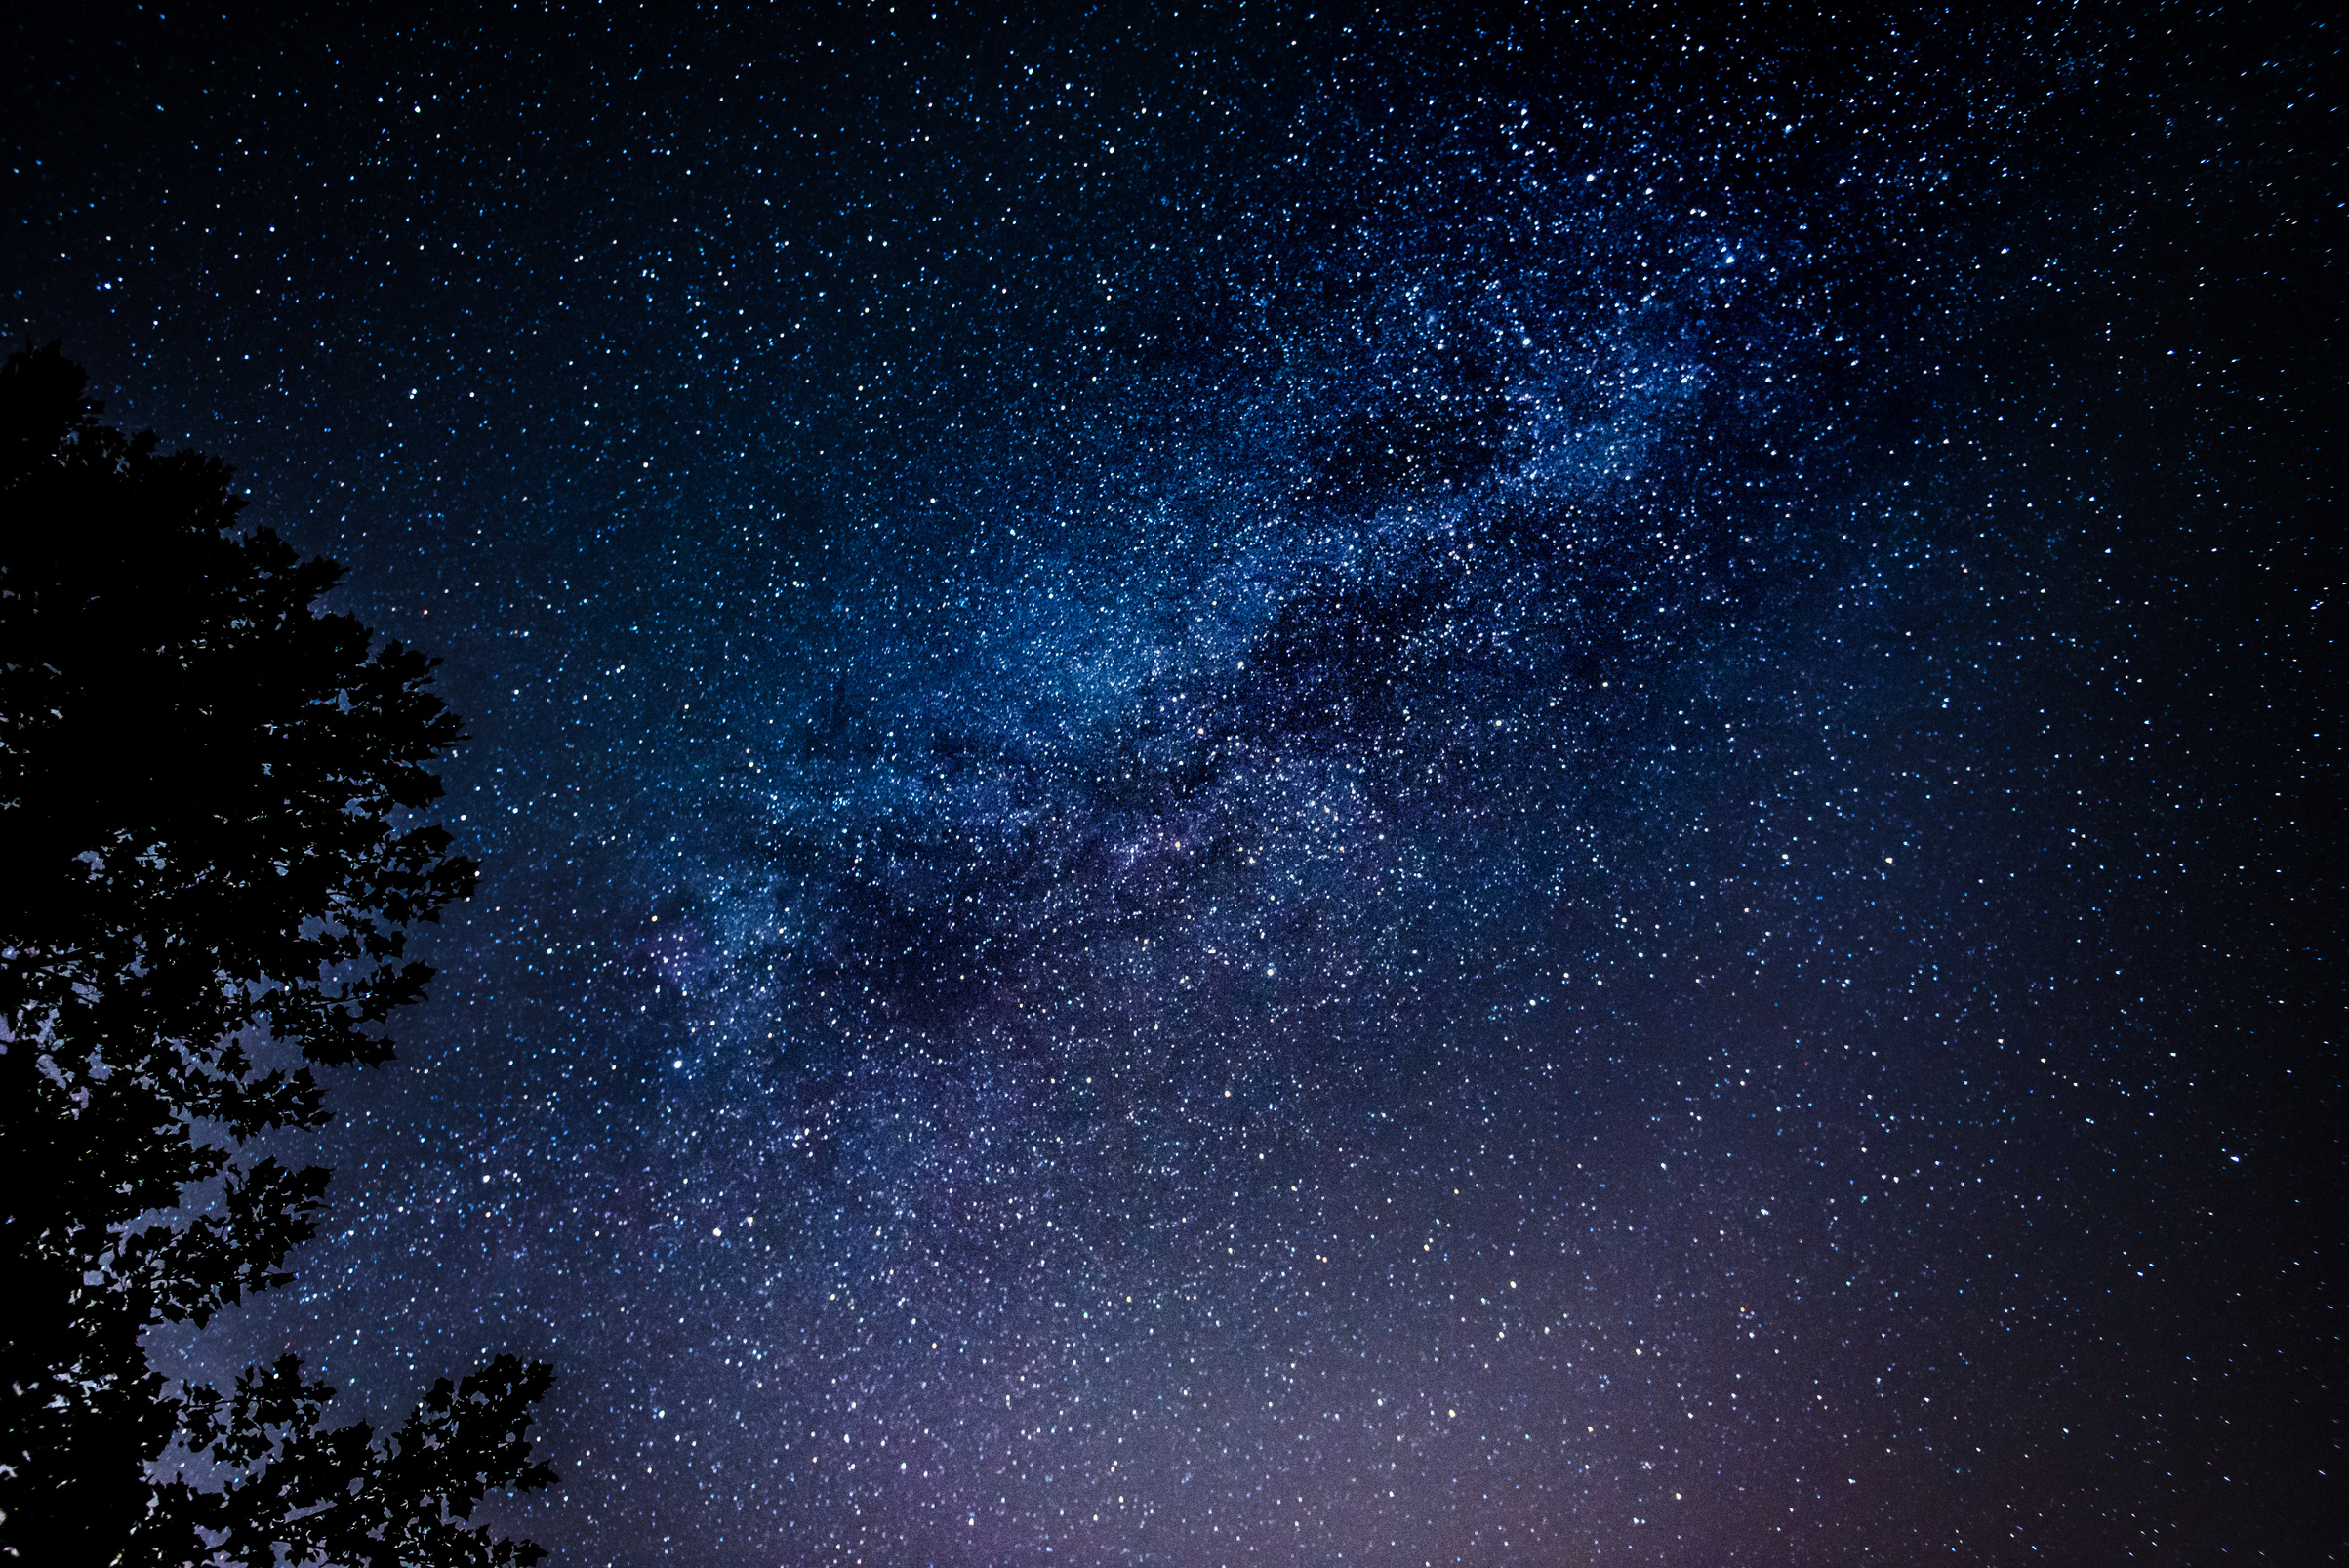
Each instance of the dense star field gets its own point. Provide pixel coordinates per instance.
(1276, 789)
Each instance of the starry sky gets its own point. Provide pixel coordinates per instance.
(1392, 786)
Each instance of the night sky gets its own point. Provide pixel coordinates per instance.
(1275, 788)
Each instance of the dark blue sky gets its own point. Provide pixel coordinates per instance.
(1278, 788)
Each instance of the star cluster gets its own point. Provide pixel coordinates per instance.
(1259, 787)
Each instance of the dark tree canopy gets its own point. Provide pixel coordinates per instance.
(206, 867)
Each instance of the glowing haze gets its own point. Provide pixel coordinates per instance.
(1257, 788)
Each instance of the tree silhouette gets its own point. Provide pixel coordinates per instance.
(206, 877)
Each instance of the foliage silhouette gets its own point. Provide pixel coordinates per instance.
(202, 859)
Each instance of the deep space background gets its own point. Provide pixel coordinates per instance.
(1396, 786)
